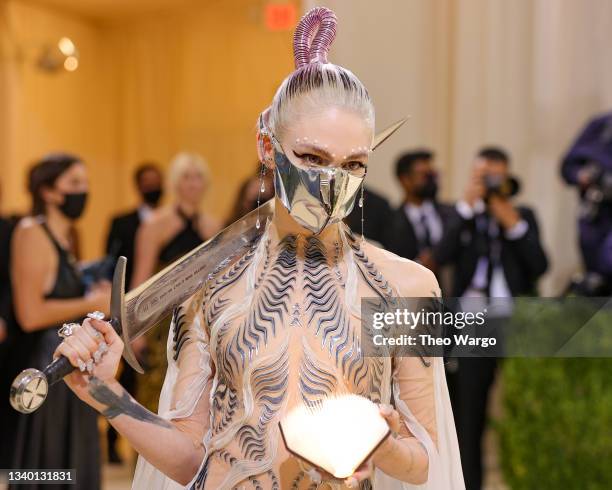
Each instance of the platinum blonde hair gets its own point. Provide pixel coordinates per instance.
(316, 84)
(185, 161)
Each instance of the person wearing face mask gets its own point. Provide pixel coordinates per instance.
(418, 224)
(122, 235)
(495, 248)
(48, 291)
(277, 322)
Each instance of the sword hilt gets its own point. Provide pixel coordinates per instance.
(30, 388)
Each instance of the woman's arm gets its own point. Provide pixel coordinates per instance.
(404, 457)
(31, 266)
(172, 443)
(162, 443)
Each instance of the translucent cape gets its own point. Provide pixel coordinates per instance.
(444, 461)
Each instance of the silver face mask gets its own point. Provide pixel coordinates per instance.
(314, 197)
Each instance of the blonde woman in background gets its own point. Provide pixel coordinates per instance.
(172, 231)
(177, 228)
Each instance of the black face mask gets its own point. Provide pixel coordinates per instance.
(152, 197)
(429, 189)
(74, 205)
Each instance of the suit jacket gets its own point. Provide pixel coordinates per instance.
(376, 214)
(401, 238)
(122, 240)
(523, 260)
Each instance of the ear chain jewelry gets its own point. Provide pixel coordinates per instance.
(262, 188)
(361, 206)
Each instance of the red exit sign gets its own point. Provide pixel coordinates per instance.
(280, 16)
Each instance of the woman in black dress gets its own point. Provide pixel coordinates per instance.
(179, 227)
(49, 291)
(171, 232)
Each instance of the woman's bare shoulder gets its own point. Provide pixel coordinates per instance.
(30, 240)
(29, 228)
(410, 278)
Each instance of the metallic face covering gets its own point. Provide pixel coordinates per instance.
(314, 197)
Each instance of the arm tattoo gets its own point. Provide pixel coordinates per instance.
(122, 404)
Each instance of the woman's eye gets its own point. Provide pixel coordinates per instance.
(354, 166)
(310, 159)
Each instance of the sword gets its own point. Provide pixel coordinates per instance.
(135, 313)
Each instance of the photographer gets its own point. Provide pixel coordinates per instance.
(496, 252)
(588, 166)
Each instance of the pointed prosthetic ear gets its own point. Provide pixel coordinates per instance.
(265, 149)
(265, 146)
(381, 137)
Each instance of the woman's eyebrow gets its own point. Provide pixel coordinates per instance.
(316, 149)
(353, 156)
(326, 154)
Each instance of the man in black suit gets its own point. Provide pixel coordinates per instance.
(496, 252)
(121, 241)
(122, 235)
(418, 224)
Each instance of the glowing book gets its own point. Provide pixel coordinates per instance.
(337, 434)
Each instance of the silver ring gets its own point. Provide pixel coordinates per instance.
(81, 365)
(66, 330)
(96, 315)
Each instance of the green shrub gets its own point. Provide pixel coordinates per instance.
(556, 427)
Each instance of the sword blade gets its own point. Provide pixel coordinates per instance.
(148, 304)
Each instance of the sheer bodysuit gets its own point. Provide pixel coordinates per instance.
(279, 326)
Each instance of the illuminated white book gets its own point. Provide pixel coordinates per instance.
(337, 434)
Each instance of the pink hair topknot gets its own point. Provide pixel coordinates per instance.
(314, 36)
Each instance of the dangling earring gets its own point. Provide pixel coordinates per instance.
(262, 188)
(361, 206)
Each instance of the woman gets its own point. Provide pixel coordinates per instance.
(48, 290)
(171, 232)
(175, 230)
(280, 325)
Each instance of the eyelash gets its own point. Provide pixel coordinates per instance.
(347, 165)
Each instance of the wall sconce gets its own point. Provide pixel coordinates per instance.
(61, 56)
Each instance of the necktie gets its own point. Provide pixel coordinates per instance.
(426, 238)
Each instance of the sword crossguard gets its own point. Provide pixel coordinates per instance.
(118, 314)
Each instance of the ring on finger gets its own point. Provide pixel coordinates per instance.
(96, 315)
(66, 330)
(89, 366)
(97, 356)
(82, 365)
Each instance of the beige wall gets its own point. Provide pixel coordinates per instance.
(194, 77)
(56, 111)
(525, 74)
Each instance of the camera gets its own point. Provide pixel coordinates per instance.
(501, 185)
